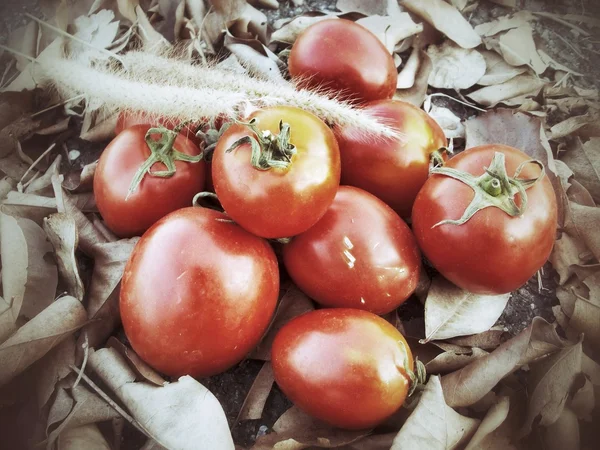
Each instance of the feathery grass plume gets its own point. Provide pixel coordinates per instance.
(180, 91)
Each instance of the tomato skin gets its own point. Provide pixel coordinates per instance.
(345, 57)
(361, 254)
(278, 203)
(344, 366)
(127, 119)
(392, 169)
(198, 293)
(492, 253)
(154, 197)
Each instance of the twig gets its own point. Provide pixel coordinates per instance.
(470, 105)
(77, 97)
(86, 352)
(48, 150)
(18, 53)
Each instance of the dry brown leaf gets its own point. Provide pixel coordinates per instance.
(550, 381)
(497, 71)
(143, 370)
(566, 253)
(584, 401)
(86, 436)
(563, 433)
(255, 58)
(447, 19)
(15, 104)
(255, 400)
(454, 67)
(488, 340)
(240, 18)
(418, 92)
(586, 320)
(38, 336)
(468, 385)
(406, 77)
(151, 38)
(449, 122)
(54, 367)
(504, 23)
(490, 423)
(100, 131)
(373, 442)
(450, 361)
(390, 30)
(434, 425)
(289, 32)
(585, 125)
(521, 85)
(584, 161)
(178, 415)
(369, 7)
(586, 220)
(89, 235)
(451, 311)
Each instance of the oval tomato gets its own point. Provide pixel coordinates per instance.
(344, 57)
(198, 293)
(492, 252)
(127, 119)
(278, 201)
(347, 367)
(155, 196)
(392, 169)
(361, 255)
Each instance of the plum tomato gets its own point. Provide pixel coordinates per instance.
(198, 293)
(127, 119)
(361, 254)
(347, 367)
(486, 232)
(131, 214)
(277, 175)
(393, 169)
(345, 58)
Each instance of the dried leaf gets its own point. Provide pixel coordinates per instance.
(566, 253)
(451, 311)
(518, 86)
(450, 361)
(291, 30)
(255, 401)
(586, 220)
(390, 30)
(433, 425)
(418, 92)
(563, 433)
(369, 7)
(497, 71)
(504, 23)
(406, 77)
(447, 19)
(585, 125)
(87, 436)
(54, 367)
(586, 320)
(31, 77)
(468, 385)
(255, 57)
(518, 48)
(178, 415)
(584, 402)
(143, 370)
(488, 340)
(240, 18)
(373, 442)
(454, 67)
(492, 420)
(38, 336)
(89, 235)
(584, 161)
(448, 121)
(81, 181)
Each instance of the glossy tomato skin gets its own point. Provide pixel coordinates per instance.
(198, 293)
(492, 253)
(155, 197)
(127, 119)
(361, 254)
(392, 169)
(344, 57)
(278, 202)
(344, 366)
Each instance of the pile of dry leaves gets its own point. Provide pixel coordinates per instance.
(67, 382)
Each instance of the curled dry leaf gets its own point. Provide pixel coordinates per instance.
(584, 161)
(471, 383)
(406, 77)
(178, 415)
(563, 433)
(52, 368)
(451, 361)
(447, 19)
(493, 419)
(584, 401)
(418, 92)
(38, 336)
(390, 30)
(86, 436)
(291, 30)
(518, 48)
(451, 311)
(454, 67)
(567, 252)
(89, 235)
(239, 17)
(497, 70)
(433, 424)
(521, 85)
(255, 57)
(504, 23)
(585, 125)
(585, 220)
(143, 370)
(488, 340)
(586, 320)
(369, 8)
(373, 442)
(255, 401)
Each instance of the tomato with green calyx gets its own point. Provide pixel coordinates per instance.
(487, 219)
(198, 293)
(361, 254)
(393, 169)
(347, 367)
(144, 174)
(277, 174)
(344, 58)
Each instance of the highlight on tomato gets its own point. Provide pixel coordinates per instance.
(487, 219)
(144, 174)
(361, 254)
(277, 174)
(347, 367)
(393, 169)
(198, 293)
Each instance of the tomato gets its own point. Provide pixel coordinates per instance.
(278, 201)
(392, 169)
(344, 57)
(347, 367)
(492, 252)
(198, 293)
(361, 255)
(155, 196)
(128, 119)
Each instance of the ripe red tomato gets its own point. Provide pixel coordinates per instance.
(280, 201)
(492, 252)
(344, 57)
(361, 255)
(198, 293)
(155, 197)
(347, 367)
(128, 119)
(392, 169)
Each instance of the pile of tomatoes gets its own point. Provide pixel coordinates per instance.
(201, 286)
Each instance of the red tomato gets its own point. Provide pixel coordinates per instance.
(278, 202)
(491, 253)
(361, 255)
(347, 367)
(155, 197)
(344, 57)
(198, 293)
(392, 169)
(128, 119)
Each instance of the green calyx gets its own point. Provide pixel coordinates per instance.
(418, 377)
(161, 151)
(493, 188)
(268, 150)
